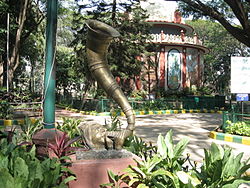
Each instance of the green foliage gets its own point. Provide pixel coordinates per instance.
(239, 128)
(6, 110)
(228, 14)
(217, 62)
(123, 50)
(161, 167)
(66, 78)
(222, 169)
(114, 125)
(171, 154)
(61, 147)
(18, 96)
(20, 168)
(140, 148)
(138, 94)
(164, 169)
(158, 104)
(29, 128)
(70, 126)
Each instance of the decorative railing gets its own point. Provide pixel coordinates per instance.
(169, 38)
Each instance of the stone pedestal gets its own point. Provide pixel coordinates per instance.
(91, 173)
(43, 137)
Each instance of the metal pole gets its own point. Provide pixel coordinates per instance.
(242, 110)
(49, 79)
(7, 51)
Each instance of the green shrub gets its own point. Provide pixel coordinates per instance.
(239, 128)
(6, 110)
(140, 148)
(161, 169)
(70, 126)
(138, 94)
(29, 128)
(114, 125)
(164, 169)
(20, 168)
(222, 169)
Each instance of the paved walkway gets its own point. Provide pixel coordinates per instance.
(195, 126)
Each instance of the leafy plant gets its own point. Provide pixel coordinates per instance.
(140, 148)
(222, 169)
(62, 145)
(161, 169)
(164, 169)
(114, 125)
(115, 180)
(171, 154)
(70, 126)
(138, 94)
(6, 110)
(29, 128)
(239, 128)
(20, 168)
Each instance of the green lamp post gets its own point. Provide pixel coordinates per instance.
(49, 133)
(50, 73)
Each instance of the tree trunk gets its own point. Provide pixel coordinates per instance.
(113, 10)
(31, 79)
(1, 71)
(14, 58)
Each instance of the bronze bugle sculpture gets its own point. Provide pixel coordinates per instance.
(98, 39)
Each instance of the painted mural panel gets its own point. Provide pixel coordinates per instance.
(192, 67)
(174, 69)
(202, 66)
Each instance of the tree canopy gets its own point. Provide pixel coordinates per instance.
(233, 15)
(222, 46)
(129, 19)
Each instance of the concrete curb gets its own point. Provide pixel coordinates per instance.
(151, 112)
(230, 138)
(10, 122)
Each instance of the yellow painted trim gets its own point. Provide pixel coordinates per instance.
(142, 112)
(176, 111)
(159, 112)
(212, 134)
(168, 111)
(191, 111)
(7, 122)
(150, 112)
(228, 138)
(183, 111)
(20, 121)
(245, 141)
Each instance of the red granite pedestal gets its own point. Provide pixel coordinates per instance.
(43, 137)
(92, 173)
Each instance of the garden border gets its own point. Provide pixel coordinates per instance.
(10, 122)
(230, 138)
(150, 112)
